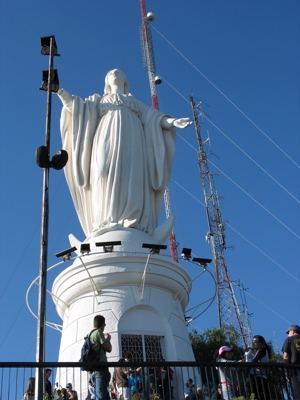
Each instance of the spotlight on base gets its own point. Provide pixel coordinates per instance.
(186, 254)
(108, 247)
(154, 248)
(202, 261)
(85, 248)
(66, 254)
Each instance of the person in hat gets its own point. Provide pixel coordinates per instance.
(72, 394)
(228, 376)
(291, 355)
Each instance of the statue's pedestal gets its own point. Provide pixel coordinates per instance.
(139, 296)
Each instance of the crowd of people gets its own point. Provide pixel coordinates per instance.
(128, 383)
(58, 393)
(258, 381)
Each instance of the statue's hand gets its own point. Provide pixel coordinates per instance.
(182, 123)
(66, 99)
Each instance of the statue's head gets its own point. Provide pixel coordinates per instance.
(107, 88)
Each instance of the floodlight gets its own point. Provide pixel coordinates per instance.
(85, 248)
(157, 80)
(66, 254)
(186, 254)
(154, 248)
(202, 261)
(108, 247)
(46, 46)
(54, 82)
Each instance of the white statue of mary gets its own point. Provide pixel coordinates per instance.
(120, 158)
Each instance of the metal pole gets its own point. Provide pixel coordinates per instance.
(149, 58)
(40, 345)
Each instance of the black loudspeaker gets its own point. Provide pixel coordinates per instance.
(42, 157)
(59, 160)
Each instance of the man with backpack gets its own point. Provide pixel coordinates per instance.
(100, 343)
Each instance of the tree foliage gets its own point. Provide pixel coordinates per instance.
(275, 356)
(207, 344)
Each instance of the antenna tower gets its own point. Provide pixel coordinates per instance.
(149, 63)
(246, 313)
(227, 306)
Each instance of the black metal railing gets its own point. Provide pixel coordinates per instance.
(155, 381)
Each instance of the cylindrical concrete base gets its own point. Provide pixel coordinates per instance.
(139, 294)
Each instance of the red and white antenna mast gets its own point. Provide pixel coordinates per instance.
(149, 63)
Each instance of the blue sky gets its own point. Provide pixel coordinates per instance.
(242, 60)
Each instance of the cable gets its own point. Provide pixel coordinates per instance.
(270, 176)
(211, 299)
(226, 97)
(34, 282)
(250, 158)
(227, 224)
(262, 252)
(257, 202)
(238, 147)
(244, 191)
(29, 242)
(20, 261)
(269, 308)
(11, 326)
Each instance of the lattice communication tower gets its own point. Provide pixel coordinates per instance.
(227, 305)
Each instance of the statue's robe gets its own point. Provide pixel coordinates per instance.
(120, 161)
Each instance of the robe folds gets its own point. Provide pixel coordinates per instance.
(120, 161)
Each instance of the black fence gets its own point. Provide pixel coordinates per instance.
(155, 381)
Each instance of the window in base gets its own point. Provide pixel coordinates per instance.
(143, 347)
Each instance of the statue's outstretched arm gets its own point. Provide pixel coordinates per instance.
(65, 98)
(178, 123)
